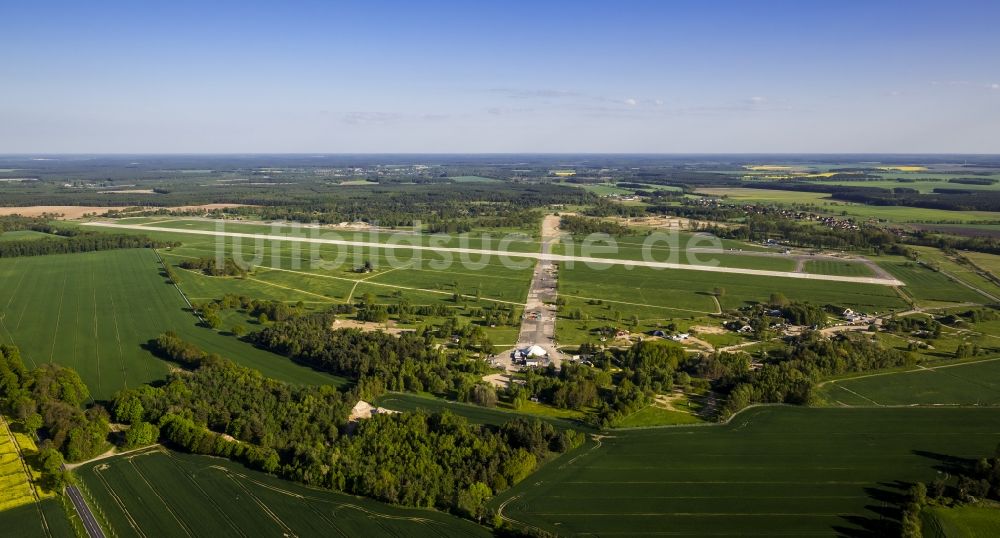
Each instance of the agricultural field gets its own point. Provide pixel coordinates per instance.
(164, 494)
(770, 471)
(16, 488)
(95, 311)
(26, 509)
(964, 273)
(823, 203)
(971, 383)
(927, 286)
(923, 185)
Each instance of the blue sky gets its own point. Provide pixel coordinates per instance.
(659, 76)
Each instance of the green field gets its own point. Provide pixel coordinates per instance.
(837, 267)
(20, 235)
(929, 286)
(961, 522)
(94, 312)
(974, 383)
(164, 494)
(474, 413)
(771, 471)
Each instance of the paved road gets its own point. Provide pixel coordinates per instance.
(89, 521)
(539, 324)
(545, 256)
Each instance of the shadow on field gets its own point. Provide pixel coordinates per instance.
(886, 506)
(945, 463)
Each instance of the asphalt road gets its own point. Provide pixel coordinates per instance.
(89, 521)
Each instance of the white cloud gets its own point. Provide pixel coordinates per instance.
(995, 86)
(757, 99)
(658, 102)
(630, 102)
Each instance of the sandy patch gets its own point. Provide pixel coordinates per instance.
(129, 191)
(707, 329)
(499, 381)
(79, 211)
(389, 326)
(664, 223)
(64, 211)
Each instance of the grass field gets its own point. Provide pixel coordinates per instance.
(94, 312)
(989, 262)
(962, 272)
(961, 522)
(771, 471)
(165, 494)
(837, 267)
(474, 413)
(973, 383)
(20, 235)
(928, 286)
(652, 415)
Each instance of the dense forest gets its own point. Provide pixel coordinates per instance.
(417, 459)
(377, 360)
(48, 401)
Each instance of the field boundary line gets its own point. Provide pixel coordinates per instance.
(367, 278)
(162, 501)
(118, 339)
(128, 515)
(263, 506)
(510, 254)
(55, 335)
(859, 395)
(266, 283)
(178, 288)
(97, 341)
(229, 520)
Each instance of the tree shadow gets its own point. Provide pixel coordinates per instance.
(886, 509)
(947, 463)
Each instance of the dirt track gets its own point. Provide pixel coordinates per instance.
(589, 261)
